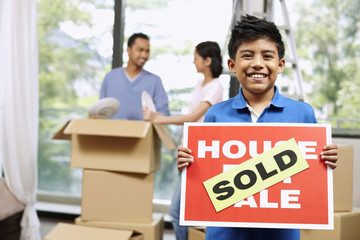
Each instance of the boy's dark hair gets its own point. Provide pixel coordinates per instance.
(251, 28)
(133, 37)
(211, 50)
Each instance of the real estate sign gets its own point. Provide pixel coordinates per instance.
(280, 163)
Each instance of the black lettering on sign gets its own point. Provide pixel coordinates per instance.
(250, 174)
(263, 173)
(279, 158)
(220, 188)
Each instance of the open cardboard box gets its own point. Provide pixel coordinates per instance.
(116, 145)
(151, 231)
(64, 231)
(117, 196)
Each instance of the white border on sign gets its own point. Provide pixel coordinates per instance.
(329, 226)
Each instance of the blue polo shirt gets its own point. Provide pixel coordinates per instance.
(280, 110)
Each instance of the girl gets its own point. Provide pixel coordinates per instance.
(207, 92)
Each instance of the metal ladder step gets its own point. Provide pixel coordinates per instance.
(265, 9)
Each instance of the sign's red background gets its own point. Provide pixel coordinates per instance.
(311, 182)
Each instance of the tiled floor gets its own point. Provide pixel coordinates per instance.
(49, 223)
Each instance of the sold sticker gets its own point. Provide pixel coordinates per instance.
(256, 174)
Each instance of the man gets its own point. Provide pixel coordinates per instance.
(127, 84)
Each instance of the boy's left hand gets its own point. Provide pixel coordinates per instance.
(330, 155)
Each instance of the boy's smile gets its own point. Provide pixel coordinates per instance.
(256, 67)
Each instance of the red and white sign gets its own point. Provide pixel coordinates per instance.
(304, 200)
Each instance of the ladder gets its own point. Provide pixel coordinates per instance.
(265, 9)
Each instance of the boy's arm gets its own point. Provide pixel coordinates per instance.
(184, 158)
(330, 155)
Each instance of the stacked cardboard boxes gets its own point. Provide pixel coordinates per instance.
(346, 219)
(119, 159)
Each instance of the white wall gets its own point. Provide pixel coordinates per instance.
(356, 171)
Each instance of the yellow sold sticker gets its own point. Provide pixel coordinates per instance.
(256, 174)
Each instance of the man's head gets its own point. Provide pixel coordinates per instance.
(138, 49)
(251, 28)
(135, 36)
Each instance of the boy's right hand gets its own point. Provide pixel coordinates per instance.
(184, 157)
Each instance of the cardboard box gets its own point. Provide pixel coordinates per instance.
(116, 145)
(64, 231)
(117, 196)
(343, 180)
(346, 227)
(151, 231)
(196, 233)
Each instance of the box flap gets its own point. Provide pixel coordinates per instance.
(165, 136)
(60, 134)
(157, 218)
(67, 231)
(107, 127)
(137, 236)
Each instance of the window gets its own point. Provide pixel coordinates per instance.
(75, 42)
(175, 28)
(75, 51)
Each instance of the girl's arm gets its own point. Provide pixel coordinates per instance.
(191, 117)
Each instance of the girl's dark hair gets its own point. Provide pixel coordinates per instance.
(211, 50)
(251, 28)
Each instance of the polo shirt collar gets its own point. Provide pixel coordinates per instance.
(277, 101)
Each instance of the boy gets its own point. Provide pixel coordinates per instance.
(256, 53)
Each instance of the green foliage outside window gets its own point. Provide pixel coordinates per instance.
(327, 35)
(65, 62)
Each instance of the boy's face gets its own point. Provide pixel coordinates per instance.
(256, 66)
(139, 52)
